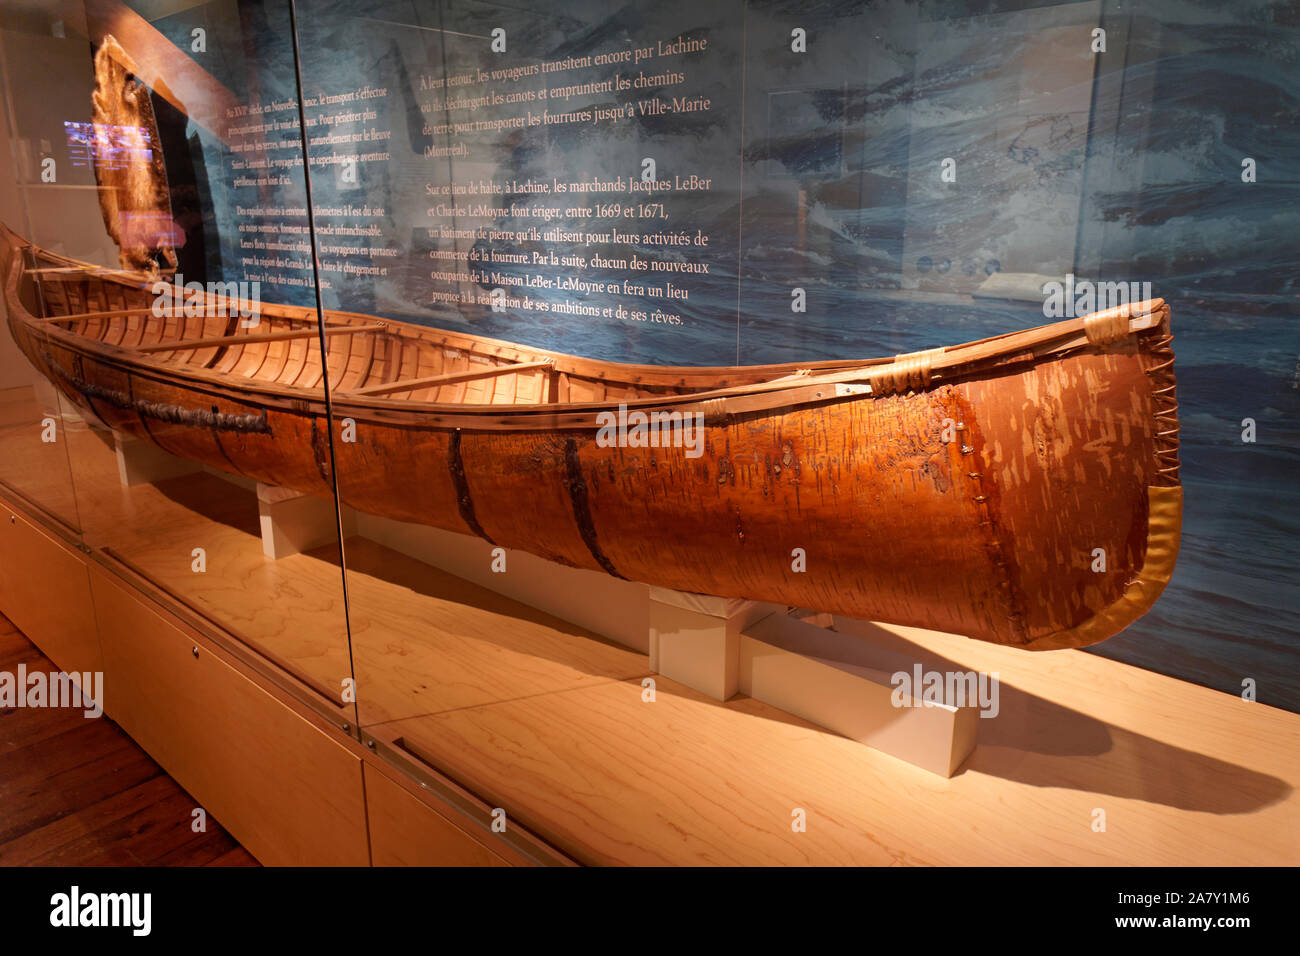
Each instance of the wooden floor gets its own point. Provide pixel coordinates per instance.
(76, 791)
(548, 721)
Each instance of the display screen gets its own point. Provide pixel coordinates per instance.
(108, 147)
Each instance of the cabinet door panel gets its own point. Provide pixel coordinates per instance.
(404, 831)
(45, 591)
(280, 785)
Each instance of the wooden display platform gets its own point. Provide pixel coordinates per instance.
(550, 722)
(1185, 776)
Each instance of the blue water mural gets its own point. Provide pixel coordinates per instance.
(1129, 172)
(1118, 165)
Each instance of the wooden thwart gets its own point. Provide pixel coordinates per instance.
(403, 385)
(246, 338)
(109, 314)
(83, 273)
(225, 308)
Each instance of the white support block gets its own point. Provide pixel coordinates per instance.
(608, 606)
(844, 682)
(51, 399)
(293, 522)
(695, 638)
(71, 414)
(141, 462)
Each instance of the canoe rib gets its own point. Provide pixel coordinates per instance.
(1066, 443)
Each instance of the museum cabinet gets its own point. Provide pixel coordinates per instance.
(339, 678)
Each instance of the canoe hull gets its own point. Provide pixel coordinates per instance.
(980, 508)
(1036, 506)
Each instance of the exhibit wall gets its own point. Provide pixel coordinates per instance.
(722, 182)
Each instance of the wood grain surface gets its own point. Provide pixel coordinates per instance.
(1184, 776)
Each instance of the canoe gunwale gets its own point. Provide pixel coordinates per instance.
(714, 406)
(781, 386)
(800, 387)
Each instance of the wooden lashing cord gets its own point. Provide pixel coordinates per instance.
(910, 371)
(1102, 328)
(1158, 361)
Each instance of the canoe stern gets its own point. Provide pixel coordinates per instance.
(1104, 585)
(1164, 534)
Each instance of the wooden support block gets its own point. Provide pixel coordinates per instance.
(141, 462)
(846, 683)
(695, 638)
(293, 522)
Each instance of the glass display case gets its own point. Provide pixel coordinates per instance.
(373, 213)
(112, 463)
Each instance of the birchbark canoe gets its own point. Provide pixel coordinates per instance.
(1022, 489)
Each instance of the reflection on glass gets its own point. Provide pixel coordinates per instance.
(141, 315)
